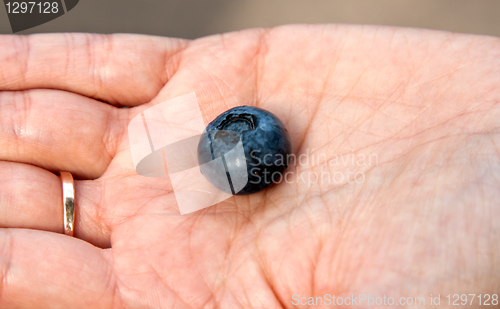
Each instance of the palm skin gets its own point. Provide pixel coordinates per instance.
(422, 221)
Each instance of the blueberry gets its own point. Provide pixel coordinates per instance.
(266, 146)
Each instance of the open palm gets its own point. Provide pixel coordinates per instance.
(397, 193)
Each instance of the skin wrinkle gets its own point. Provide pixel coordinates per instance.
(118, 289)
(164, 283)
(92, 64)
(362, 211)
(200, 273)
(117, 300)
(259, 60)
(486, 113)
(386, 103)
(16, 130)
(114, 132)
(393, 246)
(221, 92)
(322, 244)
(220, 276)
(312, 225)
(280, 83)
(272, 289)
(5, 267)
(265, 264)
(99, 213)
(331, 68)
(272, 203)
(208, 303)
(363, 261)
(267, 278)
(412, 137)
(212, 74)
(67, 37)
(350, 128)
(28, 54)
(314, 262)
(311, 259)
(172, 58)
(237, 299)
(21, 131)
(227, 288)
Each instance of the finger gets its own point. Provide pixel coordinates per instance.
(119, 69)
(31, 197)
(59, 131)
(48, 270)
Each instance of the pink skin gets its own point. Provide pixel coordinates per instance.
(424, 220)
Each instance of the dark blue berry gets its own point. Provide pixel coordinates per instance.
(266, 144)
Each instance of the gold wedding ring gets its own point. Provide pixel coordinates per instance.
(68, 192)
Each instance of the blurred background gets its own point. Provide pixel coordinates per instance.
(196, 18)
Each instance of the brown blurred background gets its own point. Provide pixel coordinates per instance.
(197, 18)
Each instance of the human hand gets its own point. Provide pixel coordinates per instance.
(420, 218)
